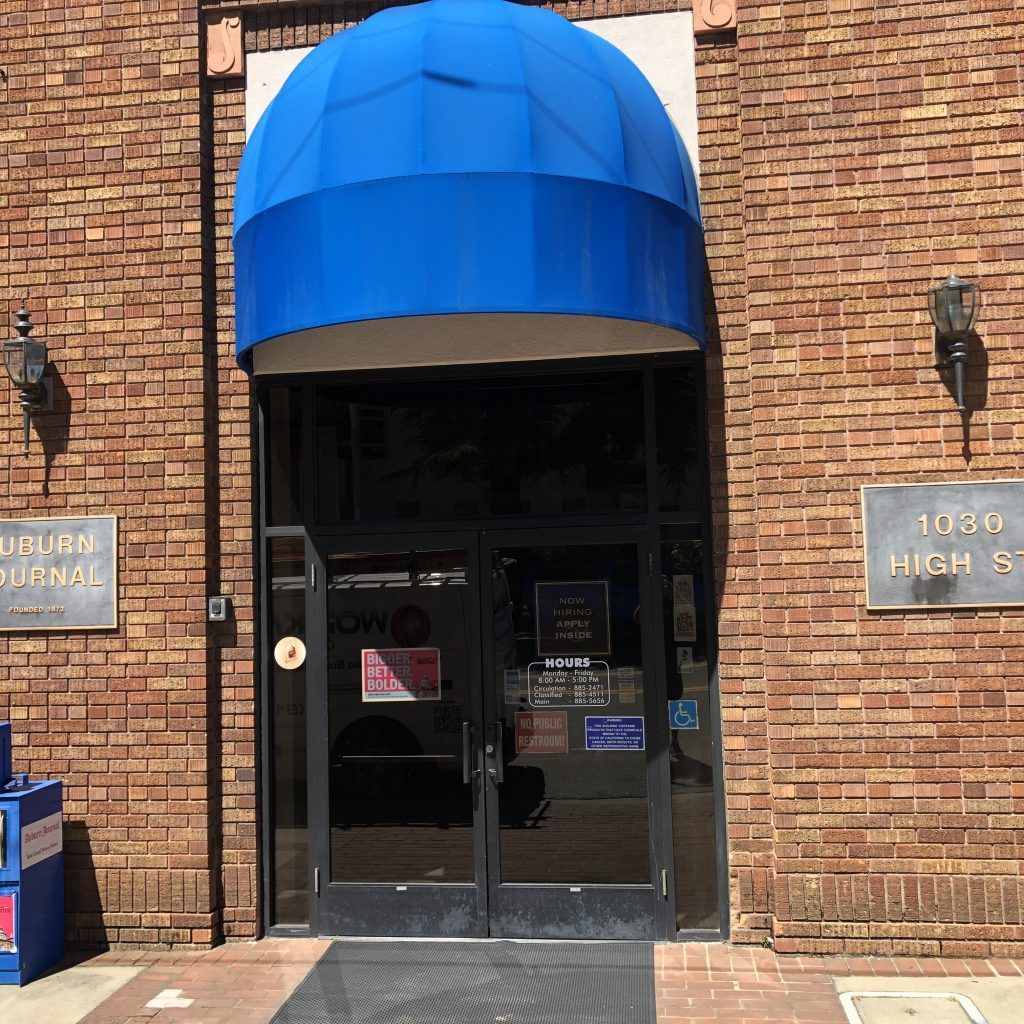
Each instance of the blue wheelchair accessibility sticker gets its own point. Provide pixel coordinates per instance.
(682, 714)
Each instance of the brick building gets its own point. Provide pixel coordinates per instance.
(855, 782)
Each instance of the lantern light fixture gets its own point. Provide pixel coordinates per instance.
(25, 362)
(953, 306)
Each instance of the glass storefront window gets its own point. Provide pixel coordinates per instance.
(405, 804)
(399, 808)
(684, 628)
(283, 463)
(451, 449)
(677, 428)
(290, 819)
(573, 804)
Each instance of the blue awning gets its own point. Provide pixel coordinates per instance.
(464, 157)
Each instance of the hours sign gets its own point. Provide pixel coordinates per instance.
(956, 545)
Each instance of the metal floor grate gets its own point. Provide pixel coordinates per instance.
(477, 983)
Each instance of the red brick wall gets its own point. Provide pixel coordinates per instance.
(100, 225)
(233, 527)
(874, 761)
(734, 501)
(849, 159)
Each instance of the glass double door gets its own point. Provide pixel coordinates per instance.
(486, 736)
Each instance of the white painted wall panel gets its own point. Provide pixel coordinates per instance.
(661, 46)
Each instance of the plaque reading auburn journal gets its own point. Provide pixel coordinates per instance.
(957, 545)
(58, 573)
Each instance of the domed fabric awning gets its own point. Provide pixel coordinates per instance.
(464, 181)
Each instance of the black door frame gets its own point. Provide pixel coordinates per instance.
(381, 533)
(524, 910)
(386, 908)
(471, 910)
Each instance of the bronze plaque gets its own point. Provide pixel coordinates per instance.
(955, 545)
(58, 573)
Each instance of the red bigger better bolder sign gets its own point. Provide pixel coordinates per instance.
(401, 673)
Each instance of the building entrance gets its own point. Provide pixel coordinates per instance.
(499, 719)
(487, 723)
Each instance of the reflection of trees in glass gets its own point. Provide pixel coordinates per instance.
(505, 441)
(684, 556)
(676, 425)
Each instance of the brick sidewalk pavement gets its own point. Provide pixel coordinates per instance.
(748, 985)
(245, 983)
(238, 983)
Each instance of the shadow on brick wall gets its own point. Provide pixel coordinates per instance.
(83, 908)
(715, 405)
(52, 426)
(975, 386)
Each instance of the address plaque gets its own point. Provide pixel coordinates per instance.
(948, 545)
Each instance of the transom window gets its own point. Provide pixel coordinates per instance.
(458, 449)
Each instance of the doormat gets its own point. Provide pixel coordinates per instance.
(477, 983)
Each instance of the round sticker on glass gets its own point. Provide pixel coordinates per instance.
(290, 652)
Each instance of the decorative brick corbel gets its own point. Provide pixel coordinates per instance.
(225, 54)
(711, 16)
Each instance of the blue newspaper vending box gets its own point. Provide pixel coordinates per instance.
(31, 872)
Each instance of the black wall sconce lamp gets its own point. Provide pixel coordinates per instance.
(953, 306)
(25, 362)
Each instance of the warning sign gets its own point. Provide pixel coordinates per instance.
(401, 673)
(542, 732)
(614, 733)
(8, 940)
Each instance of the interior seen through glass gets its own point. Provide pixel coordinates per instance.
(290, 822)
(684, 610)
(398, 679)
(572, 806)
(570, 681)
(569, 811)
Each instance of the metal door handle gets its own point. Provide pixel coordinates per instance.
(467, 752)
(3, 839)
